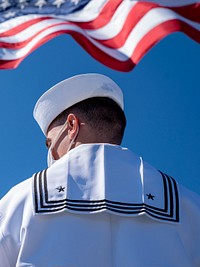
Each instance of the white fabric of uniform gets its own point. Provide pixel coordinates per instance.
(100, 205)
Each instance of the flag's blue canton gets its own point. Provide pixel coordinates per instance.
(14, 8)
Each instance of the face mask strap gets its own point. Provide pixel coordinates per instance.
(50, 159)
(74, 138)
(59, 135)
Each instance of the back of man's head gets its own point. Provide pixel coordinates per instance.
(104, 116)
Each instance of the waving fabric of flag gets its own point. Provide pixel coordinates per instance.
(117, 33)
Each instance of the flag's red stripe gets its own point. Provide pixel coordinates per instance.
(190, 31)
(191, 12)
(158, 33)
(22, 27)
(8, 64)
(101, 56)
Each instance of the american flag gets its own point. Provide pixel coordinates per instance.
(117, 33)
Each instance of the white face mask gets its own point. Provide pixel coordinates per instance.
(50, 159)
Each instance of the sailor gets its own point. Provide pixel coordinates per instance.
(97, 204)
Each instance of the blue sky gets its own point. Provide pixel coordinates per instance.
(162, 97)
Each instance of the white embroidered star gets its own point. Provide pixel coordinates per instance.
(5, 4)
(76, 2)
(22, 3)
(40, 3)
(9, 14)
(58, 3)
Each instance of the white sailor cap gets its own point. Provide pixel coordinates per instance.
(71, 91)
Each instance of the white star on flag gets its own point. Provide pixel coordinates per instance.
(40, 3)
(58, 3)
(9, 14)
(5, 4)
(22, 3)
(76, 2)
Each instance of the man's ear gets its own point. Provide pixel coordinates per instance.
(73, 125)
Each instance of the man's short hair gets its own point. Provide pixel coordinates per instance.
(102, 114)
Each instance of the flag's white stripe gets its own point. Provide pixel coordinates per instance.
(12, 54)
(30, 31)
(115, 25)
(152, 19)
(89, 12)
(9, 24)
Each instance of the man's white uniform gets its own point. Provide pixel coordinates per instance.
(119, 212)
(100, 205)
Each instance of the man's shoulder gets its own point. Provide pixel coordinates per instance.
(16, 196)
(20, 188)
